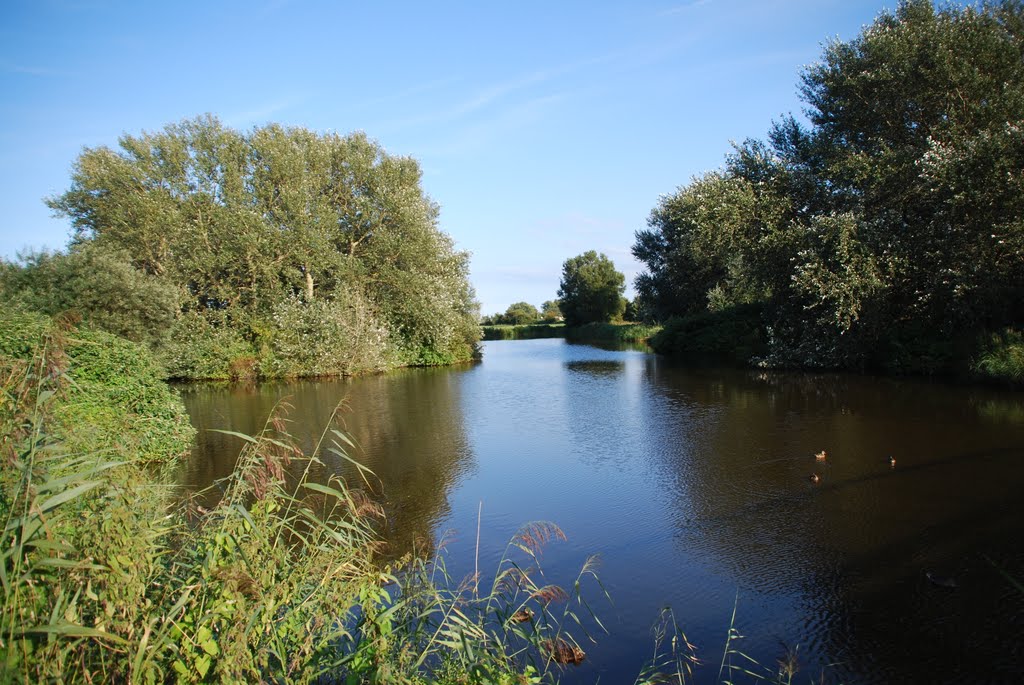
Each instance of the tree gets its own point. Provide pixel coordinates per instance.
(247, 223)
(551, 311)
(521, 313)
(892, 225)
(99, 285)
(591, 289)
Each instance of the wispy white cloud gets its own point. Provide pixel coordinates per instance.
(478, 134)
(32, 70)
(261, 112)
(406, 93)
(501, 92)
(685, 7)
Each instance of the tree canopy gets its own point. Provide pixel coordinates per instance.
(259, 229)
(551, 311)
(886, 228)
(591, 289)
(521, 313)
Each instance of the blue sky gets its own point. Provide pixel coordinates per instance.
(544, 129)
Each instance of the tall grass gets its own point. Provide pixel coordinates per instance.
(611, 332)
(523, 332)
(1002, 357)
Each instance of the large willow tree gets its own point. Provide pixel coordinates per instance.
(309, 252)
(891, 228)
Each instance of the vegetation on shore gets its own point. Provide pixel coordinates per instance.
(612, 332)
(524, 332)
(275, 252)
(617, 332)
(887, 234)
(107, 575)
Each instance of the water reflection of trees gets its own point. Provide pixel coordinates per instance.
(407, 426)
(738, 448)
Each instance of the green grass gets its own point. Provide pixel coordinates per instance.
(611, 332)
(1002, 357)
(525, 332)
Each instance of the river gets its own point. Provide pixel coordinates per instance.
(694, 487)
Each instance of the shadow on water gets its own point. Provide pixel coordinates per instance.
(851, 553)
(600, 367)
(407, 427)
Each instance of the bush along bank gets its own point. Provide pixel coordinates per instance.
(523, 332)
(611, 332)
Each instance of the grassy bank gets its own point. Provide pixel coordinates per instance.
(592, 332)
(611, 332)
(1000, 357)
(526, 332)
(735, 336)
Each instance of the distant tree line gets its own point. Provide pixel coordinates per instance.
(279, 252)
(590, 291)
(887, 232)
(524, 314)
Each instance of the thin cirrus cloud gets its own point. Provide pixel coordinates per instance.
(260, 113)
(685, 7)
(33, 70)
(476, 136)
(503, 92)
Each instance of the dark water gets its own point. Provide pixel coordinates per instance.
(693, 486)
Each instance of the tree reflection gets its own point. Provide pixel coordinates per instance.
(850, 553)
(407, 427)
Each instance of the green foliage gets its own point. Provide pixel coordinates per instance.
(1002, 357)
(517, 314)
(611, 332)
(551, 311)
(241, 224)
(112, 399)
(734, 335)
(100, 285)
(591, 289)
(523, 332)
(199, 348)
(521, 314)
(318, 338)
(896, 215)
(118, 403)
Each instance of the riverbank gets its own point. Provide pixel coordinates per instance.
(110, 576)
(592, 332)
(739, 336)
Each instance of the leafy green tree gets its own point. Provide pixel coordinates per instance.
(521, 313)
(889, 227)
(591, 289)
(241, 223)
(551, 311)
(100, 285)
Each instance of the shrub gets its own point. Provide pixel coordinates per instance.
(327, 337)
(1002, 356)
(735, 335)
(198, 349)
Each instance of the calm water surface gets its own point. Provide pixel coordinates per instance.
(693, 486)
